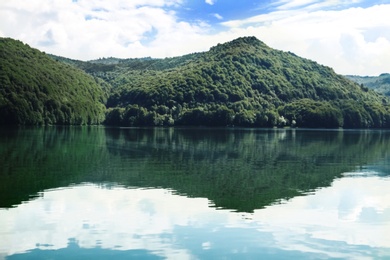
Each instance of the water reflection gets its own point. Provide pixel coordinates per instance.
(350, 219)
(238, 169)
(193, 193)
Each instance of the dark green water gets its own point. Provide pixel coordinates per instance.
(196, 193)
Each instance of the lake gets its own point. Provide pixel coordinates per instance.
(194, 193)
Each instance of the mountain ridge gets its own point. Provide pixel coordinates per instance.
(245, 83)
(242, 82)
(380, 83)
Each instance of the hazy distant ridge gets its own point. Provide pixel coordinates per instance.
(380, 83)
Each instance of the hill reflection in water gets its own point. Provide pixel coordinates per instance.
(237, 169)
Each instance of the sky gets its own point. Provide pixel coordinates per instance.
(351, 36)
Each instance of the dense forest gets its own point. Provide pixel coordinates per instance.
(380, 83)
(239, 83)
(36, 90)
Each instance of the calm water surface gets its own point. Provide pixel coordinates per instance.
(93, 192)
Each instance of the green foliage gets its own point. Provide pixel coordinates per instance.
(310, 113)
(36, 90)
(242, 83)
(381, 83)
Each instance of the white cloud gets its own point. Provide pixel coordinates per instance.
(210, 2)
(352, 41)
(218, 16)
(92, 29)
(312, 4)
(287, 4)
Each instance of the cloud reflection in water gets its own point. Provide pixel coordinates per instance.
(349, 219)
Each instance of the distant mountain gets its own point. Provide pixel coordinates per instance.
(242, 83)
(381, 84)
(36, 90)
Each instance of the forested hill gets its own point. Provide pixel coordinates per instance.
(380, 83)
(241, 83)
(35, 89)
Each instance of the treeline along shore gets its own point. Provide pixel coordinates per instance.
(239, 83)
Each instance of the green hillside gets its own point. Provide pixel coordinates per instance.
(241, 83)
(381, 84)
(35, 89)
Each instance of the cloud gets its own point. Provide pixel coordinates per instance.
(218, 16)
(351, 40)
(91, 29)
(313, 4)
(287, 5)
(210, 2)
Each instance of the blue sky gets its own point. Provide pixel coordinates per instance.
(351, 36)
(215, 11)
